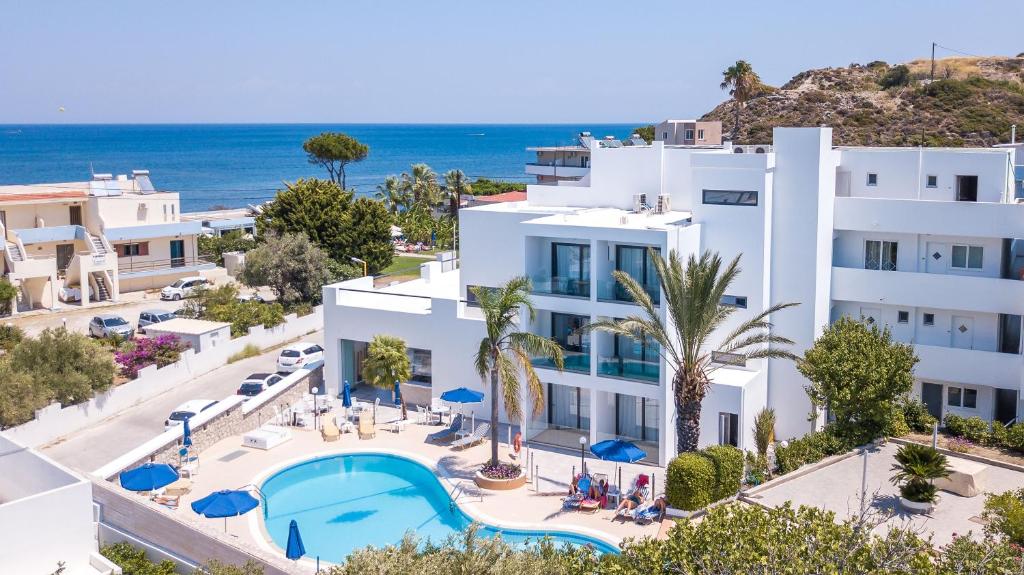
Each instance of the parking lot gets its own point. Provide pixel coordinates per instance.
(93, 447)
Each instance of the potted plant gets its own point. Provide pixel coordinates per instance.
(916, 467)
(501, 476)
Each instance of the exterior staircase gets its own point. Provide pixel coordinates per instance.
(97, 244)
(102, 293)
(15, 252)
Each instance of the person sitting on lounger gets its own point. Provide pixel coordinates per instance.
(637, 496)
(574, 487)
(599, 492)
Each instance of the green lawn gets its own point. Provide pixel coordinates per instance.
(407, 265)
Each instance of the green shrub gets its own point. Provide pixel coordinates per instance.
(757, 468)
(811, 448)
(764, 429)
(690, 481)
(7, 294)
(954, 425)
(896, 76)
(1004, 514)
(302, 309)
(133, 561)
(896, 426)
(974, 428)
(1015, 437)
(250, 350)
(916, 415)
(10, 336)
(728, 463)
(997, 437)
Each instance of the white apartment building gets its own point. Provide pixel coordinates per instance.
(94, 239)
(922, 240)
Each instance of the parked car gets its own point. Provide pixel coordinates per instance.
(108, 324)
(257, 383)
(244, 297)
(182, 288)
(297, 355)
(153, 316)
(187, 410)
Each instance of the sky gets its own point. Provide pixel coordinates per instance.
(446, 61)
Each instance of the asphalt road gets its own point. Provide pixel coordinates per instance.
(77, 319)
(91, 448)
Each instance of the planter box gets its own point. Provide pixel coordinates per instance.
(499, 484)
(915, 507)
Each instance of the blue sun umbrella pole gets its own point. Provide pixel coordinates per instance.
(346, 399)
(398, 394)
(225, 503)
(186, 433)
(148, 477)
(295, 549)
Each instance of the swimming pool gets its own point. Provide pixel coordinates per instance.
(346, 502)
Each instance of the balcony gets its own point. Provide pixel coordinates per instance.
(941, 291)
(144, 266)
(629, 368)
(561, 286)
(574, 361)
(994, 369)
(556, 170)
(612, 290)
(970, 219)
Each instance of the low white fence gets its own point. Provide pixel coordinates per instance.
(55, 421)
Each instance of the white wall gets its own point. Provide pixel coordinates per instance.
(902, 172)
(55, 421)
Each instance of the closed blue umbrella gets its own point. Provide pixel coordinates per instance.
(295, 549)
(148, 476)
(225, 503)
(186, 433)
(346, 395)
(398, 394)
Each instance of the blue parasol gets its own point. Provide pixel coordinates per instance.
(295, 549)
(186, 433)
(148, 476)
(225, 503)
(398, 394)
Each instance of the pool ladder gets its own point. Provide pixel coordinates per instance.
(459, 491)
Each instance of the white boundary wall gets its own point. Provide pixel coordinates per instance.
(54, 421)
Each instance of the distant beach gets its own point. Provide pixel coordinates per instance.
(238, 164)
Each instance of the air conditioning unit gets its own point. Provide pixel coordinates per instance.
(664, 204)
(639, 202)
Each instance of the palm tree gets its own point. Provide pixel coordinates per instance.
(392, 194)
(505, 352)
(386, 363)
(692, 300)
(917, 467)
(455, 185)
(742, 83)
(422, 185)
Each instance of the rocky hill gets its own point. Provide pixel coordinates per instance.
(971, 102)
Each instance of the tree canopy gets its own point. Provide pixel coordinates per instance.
(316, 208)
(333, 151)
(290, 265)
(860, 374)
(368, 235)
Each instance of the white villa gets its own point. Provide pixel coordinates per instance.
(94, 240)
(922, 240)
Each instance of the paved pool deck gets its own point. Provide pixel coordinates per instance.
(229, 465)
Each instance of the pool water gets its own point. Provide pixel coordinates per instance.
(346, 502)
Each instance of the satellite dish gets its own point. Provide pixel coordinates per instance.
(61, 109)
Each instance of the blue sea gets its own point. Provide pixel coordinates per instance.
(238, 164)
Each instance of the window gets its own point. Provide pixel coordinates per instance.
(728, 427)
(688, 134)
(880, 255)
(700, 134)
(420, 364)
(730, 198)
(933, 181)
(903, 317)
(131, 250)
(725, 358)
(739, 301)
(872, 179)
(570, 264)
(929, 319)
(962, 397)
(967, 188)
(664, 135)
(967, 257)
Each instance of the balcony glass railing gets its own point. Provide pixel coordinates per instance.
(563, 286)
(574, 361)
(629, 368)
(612, 290)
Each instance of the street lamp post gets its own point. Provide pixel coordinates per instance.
(583, 464)
(359, 261)
(316, 410)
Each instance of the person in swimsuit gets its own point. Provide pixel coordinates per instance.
(638, 495)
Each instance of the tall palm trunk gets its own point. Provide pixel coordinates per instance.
(494, 415)
(688, 408)
(736, 123)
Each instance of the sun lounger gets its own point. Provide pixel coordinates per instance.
(330, 431)
(445, 433)
(426, 417)
(168, 501)
(644, 515)
(366, 429)
(479, 434)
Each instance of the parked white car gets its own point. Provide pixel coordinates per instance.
(257, 383)
(187, 410)
(297, 355)
(182, 288)
(108, 324)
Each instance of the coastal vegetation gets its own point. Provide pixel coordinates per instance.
(487, 187)
(160, 351)
(7, 294)
(222, 304)
(693, 296)
(505, 353)
(743, 84)
(387, 363)
(333, 151)
(214, 247)
(972, 101)
(645, 132)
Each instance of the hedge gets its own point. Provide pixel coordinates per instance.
(977, 430)
(728, 463)
(690, 481)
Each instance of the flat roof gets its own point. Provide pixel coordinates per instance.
(187, 326)
(574, 148)
(43, 192)
(614, 217)
(153, 231)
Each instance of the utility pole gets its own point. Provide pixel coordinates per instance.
(931, 78)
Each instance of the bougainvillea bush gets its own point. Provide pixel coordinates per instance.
(160, 351)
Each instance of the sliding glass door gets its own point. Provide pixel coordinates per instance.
(568, 407)
(570, 269)
(636, 418)
(637, 262)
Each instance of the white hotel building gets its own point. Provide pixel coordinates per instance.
(921, 240)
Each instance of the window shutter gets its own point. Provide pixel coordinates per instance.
(144, 249)
(122, 250)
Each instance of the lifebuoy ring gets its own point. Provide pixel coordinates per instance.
(517, 442)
